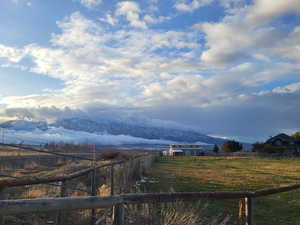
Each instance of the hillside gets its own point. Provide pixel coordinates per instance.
(73, 126)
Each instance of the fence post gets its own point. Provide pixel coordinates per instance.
(93, 193)
(63, 193)
(242, 209)
(112, 174)
(249, 211)
(119, 215)
(2, 197)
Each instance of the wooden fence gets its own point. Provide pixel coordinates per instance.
(41, 205)
(117, 202)
(134, 169)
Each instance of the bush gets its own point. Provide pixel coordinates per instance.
(257, 147)
(216, 149)
(114, 154)
(232, 146)
(267, 148)
(296, 136)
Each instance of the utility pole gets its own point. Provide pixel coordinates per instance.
(2, 135)
(93, 186)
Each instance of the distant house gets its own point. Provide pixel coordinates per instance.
(284, 140)
(185, 150)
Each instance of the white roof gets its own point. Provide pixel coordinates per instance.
(177, 150)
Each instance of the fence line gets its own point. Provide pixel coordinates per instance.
(48, 204)
(130, 169)
(117, 201)
(26, 148)
(32, 181)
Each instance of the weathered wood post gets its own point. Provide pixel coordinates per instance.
(2, 197)
(119, 215)
(249, 210)
(112, 184)
(242, 209)
(63, 193)
(93, 192)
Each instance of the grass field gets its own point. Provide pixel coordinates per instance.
(236, 173)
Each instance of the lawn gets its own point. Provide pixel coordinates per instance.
(236, 173)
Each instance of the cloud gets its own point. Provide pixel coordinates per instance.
(64, 135)
(109, 19)
(77, 31)
(90, 3)
(290, 46)
(190, 7)
(217, 72)
(11, 54)
(132, 12)
(49, 114)
(263, 11)
(229, 4)
(232, 41)
(151, 19)
(255, 116)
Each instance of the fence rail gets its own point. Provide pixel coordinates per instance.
(129, 168)
(31, 181)
(31, 149)
(48, 204)
(8, 207)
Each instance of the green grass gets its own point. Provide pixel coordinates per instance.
(234, 173)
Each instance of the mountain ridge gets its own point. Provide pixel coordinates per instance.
(116, 128)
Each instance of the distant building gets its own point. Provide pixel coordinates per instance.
(185, 150)
(284, 140)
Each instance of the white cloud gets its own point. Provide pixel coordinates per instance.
(233, 39)
(229, 43)
(132, 12)
(109, 19)
(290, 46)
(231, 3)
(151, 19)
(11, 54)
(90, 3)
(64, 135)
(149, 70)
(264, 11)
(93, 71)
(77, 31)
(291, 88)
(189, 7)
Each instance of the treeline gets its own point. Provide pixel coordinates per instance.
(69, 147)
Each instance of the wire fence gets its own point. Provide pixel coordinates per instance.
(97, 195)
(102, 179)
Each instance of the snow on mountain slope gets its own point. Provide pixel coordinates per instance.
(65, 135)
(104, 131)
(135, 130)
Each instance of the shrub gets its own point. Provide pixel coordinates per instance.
(232, 146)
(216, 149)
(296, 135)
(267, 148)
(114, 154)
(257, 147)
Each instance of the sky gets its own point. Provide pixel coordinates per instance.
(230, 68)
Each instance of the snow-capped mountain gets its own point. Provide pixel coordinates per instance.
(140, 131)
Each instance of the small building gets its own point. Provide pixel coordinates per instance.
(185, 150)
(284, 140)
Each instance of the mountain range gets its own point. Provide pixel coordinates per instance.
(114, 128)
